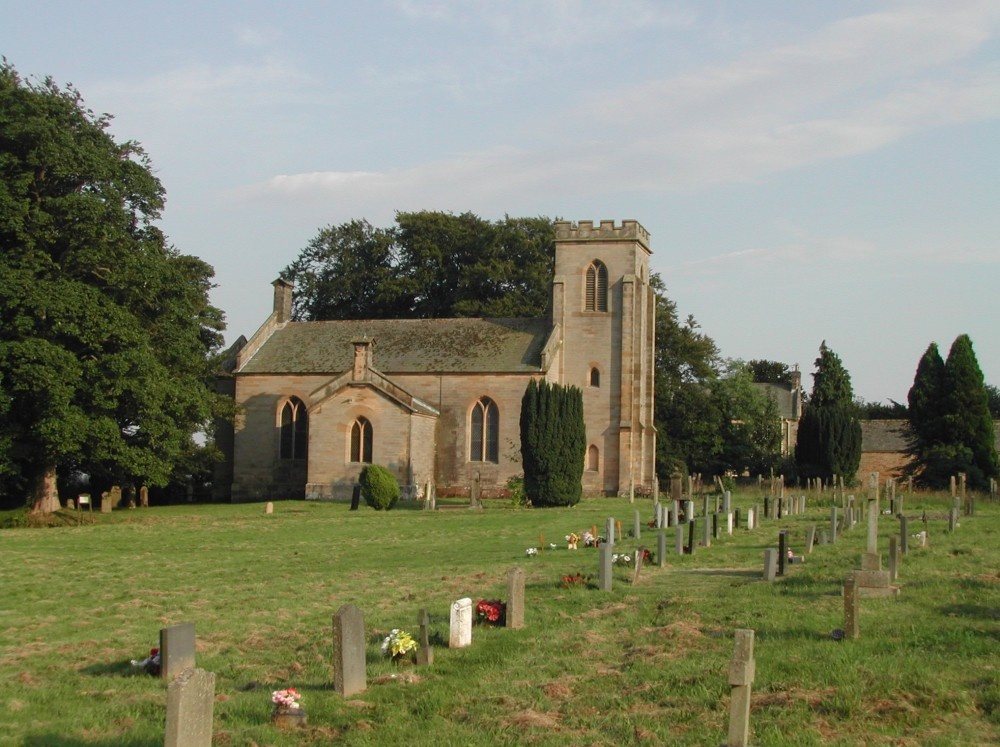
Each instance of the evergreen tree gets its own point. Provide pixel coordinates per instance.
(829, 437)
(553, 443)
(926, 399)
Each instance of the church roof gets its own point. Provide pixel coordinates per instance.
(405, 346)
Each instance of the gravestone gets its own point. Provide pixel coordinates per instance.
(833, 524)
(105, 502)
(177, 648)
(144, 497)
(727, 498)
(349, 675)
(689, 510)
(355, 497)
(741, 674)
(729, 523)
(190, 700)
(269, 508)
(851, 610)
(706, 532)
(810, 538)
(475, 493)
(675, 486)
(661, 549)
(515, 598)
(952, 519)
(782, 551)
(691, 542)
(460, 634)
(116, 496)
(636, 524)
(640, 553)
(604, 579)
(893, 558)
(756, 516)
(770, 564)
(679, 539)
(904, 534)
(425, 653)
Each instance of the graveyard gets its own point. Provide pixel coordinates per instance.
(816, 619)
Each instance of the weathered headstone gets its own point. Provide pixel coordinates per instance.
(810, 538)
(689, 510)
(105, 502)
(727, 498)
(661, 549)
(675, 486)
(269, 508)
(640, 554)
(349, 675)
(706, 532)
(515, 598)
(952, 519)
(770, 564)
(893, 558)
(604, 578)
(782, 551)
(475, 493)
(851, 611)
(833, 524)
(177, 648)
(691, 540)
(144, 497)
(610, 530)
(729, 523)
(190, 700)
(904, 534)
(636, 524)
(679, 539)
(425, 652)
(741, 674)
(116, 496)
(461, 624)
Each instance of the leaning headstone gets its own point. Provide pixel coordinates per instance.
(741, 674)
(640, 553)
(190, 699)
(177, 645)
(425, 653)
(810, 538)
(604, 578)
(349, 675)
(770, 564)
(269, 508)
(461, 624)
(851, 611)
(515, 598)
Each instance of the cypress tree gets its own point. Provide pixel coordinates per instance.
(926, 399)
(829, 437)
(966, 420)
(553, 442)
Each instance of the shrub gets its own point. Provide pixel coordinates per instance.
(379, 487)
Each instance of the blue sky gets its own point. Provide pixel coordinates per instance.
(808, 170)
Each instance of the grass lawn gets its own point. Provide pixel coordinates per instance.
(642, 664)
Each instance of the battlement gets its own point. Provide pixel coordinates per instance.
(584, 230)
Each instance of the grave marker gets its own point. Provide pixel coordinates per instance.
(661, 549)
(636, 524)
(810, 538)
(741, 674)
(851, 629)
(190, 699)
(269, 508)
(425, 653)
(770, 564)
(604, 579)
(461, 624)
(679, 538)
(349, 676)
(177, 647)
(515, 598)
(782, 551)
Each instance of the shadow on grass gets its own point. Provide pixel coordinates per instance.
(115, 668)
(735, 572)
(971, 610)
(61, 740)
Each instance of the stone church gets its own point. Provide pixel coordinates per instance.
(439, 400)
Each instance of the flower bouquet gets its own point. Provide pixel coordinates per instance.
(491, 612)
(398, 644)
(287, 709)
(572, 540)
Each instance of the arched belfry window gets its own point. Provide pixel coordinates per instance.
(361, 441)
(294, 430)
(484, 432)
(595, 377)
(597, 287)
(593, 459)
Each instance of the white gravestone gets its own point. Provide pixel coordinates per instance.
(461, 624)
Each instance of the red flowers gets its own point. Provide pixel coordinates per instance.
(491, 611)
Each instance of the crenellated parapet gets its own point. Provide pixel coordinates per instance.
(605, 230)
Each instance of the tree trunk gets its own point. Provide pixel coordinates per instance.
(45, 495)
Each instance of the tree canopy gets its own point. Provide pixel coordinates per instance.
(829, 437)
(104, 351)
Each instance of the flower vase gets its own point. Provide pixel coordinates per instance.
(288, 718)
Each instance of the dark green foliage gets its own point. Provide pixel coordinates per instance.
(829, 437)
(749, 424)
(881, 411)
(950, 418)
(429, 265)
(105, 348)
(553, 443)
(379, 487)
(769, 372)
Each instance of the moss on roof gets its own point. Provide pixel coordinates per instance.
(406, 346)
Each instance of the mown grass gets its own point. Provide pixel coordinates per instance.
(643, 664)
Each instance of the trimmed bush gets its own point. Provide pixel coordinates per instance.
(379, 487)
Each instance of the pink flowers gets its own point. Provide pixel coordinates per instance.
(288, 698)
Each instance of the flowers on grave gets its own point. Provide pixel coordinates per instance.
(647, 556)
(572, 540)
(531, 552)
(151, 664)
(574, 579)
(552, 545)
(590, 540)
(491, 612)
(621, 559)
(286, 700)
(398, 644)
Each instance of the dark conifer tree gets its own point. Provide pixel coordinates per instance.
(553, 443)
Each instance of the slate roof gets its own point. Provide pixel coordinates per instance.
(884, 435)
(405, 346)
(783, 396)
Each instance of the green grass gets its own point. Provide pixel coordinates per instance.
(644, 664)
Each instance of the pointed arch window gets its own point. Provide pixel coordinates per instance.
(361, 441)
(593, 459)
(597, 287)
(294, 430)
(484, 432)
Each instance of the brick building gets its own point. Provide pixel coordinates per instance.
(438, 400)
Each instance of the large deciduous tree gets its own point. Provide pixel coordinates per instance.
(829, 437)
(750, 424)
(553, 443)
(104, 349)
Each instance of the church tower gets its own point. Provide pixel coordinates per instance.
(604, 308)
